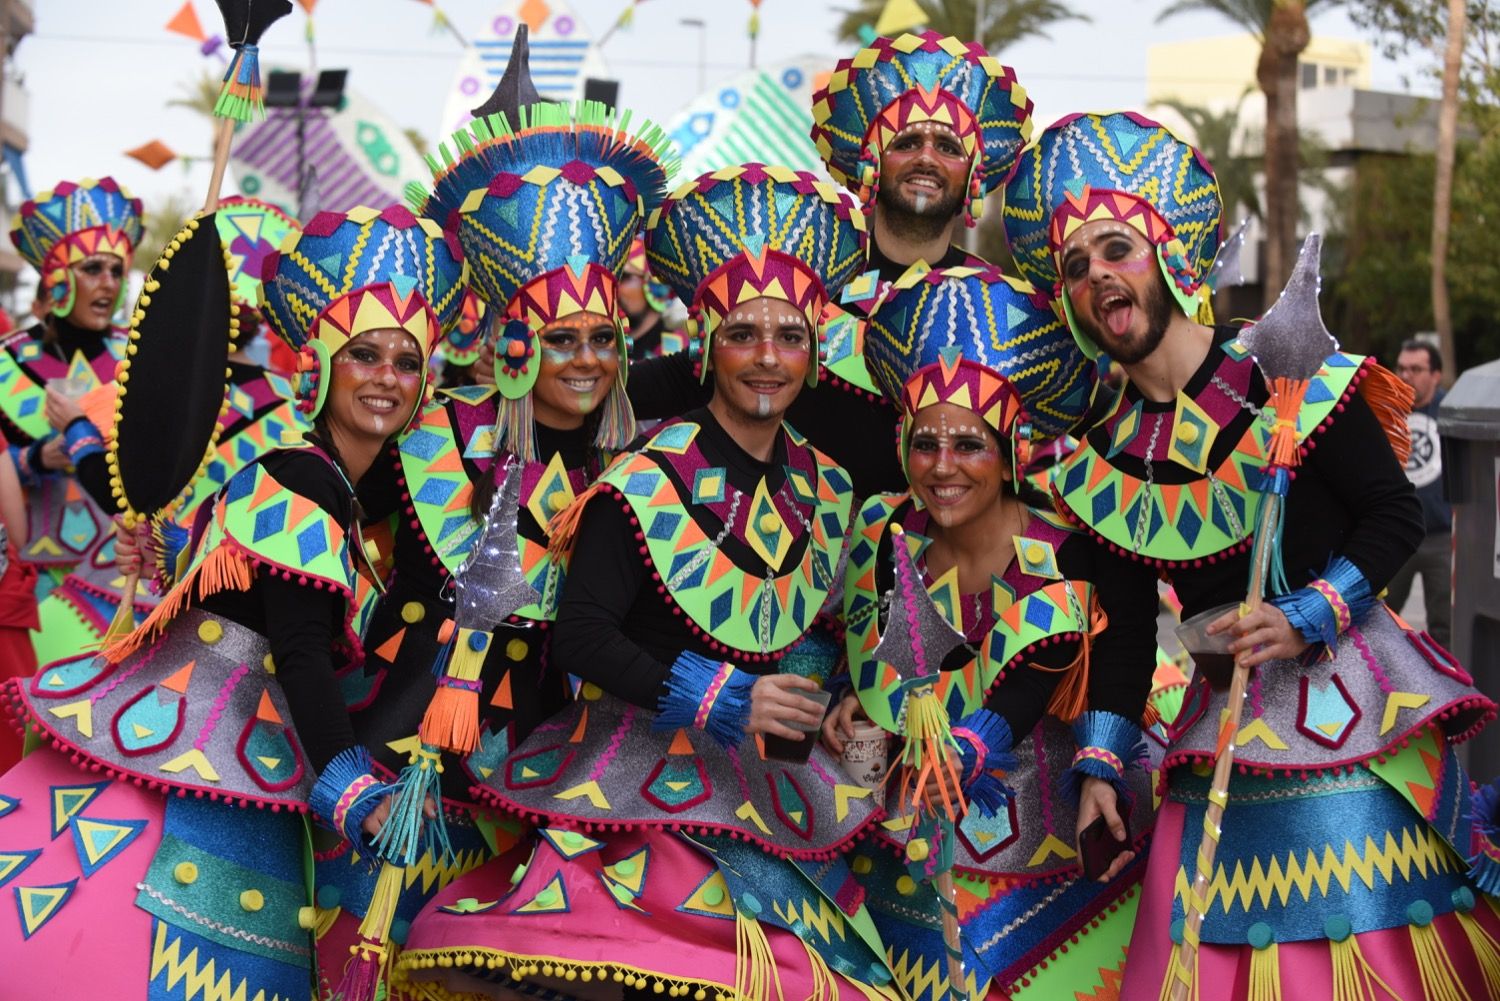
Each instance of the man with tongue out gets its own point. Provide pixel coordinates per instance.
(1345, 705)
(920, 127)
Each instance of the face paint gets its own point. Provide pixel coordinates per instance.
(1117, 293)
(760, 355)
(579, 364)
(954, 464)
(375, 383)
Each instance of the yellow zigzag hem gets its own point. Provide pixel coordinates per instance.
(202, 981)
(1420, 850)
(522, 967)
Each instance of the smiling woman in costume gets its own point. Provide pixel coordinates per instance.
(556, 409)
(1025, 592)
(173, 843)
(81, 238)
(672, 856)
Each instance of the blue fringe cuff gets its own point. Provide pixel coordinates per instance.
(81, 440)
(708, 695)
(28, 464)
(346, 793)
(1108, 745)
(984, 743)
(1484, 867)
(1329, 605)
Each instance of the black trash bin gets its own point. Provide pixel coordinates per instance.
(1469, 425)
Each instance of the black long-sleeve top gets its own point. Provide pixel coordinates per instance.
(301, 623)
(1350, 498)
(857, 432)
(1115, 684)
(612, 628)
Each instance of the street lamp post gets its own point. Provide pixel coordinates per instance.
(284, 90)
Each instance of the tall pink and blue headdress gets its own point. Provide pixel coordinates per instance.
(1122, 167)
(347, 273)
(61, 227)
(755, 231)
(898, 83)
(544, 212)
(983, 341)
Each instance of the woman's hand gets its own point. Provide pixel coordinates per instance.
(53, 456)
(61, 410)
(378, 816)
(774, 702)
(1098, 799)
(130, 546)
(483, 370)
(838, 726)
(1264, 634)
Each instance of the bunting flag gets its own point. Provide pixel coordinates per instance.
(154, 154)
(563, 55)
(185, 22)
(899, 16)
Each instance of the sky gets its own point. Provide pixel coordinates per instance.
(100, 72)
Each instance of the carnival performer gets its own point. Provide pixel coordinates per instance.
(921, 127)
(1026, 593)
(556, 406)
(645, 302)
(161, 833)
(1350, 860)
(17, 595)
(80, 237)
(673, 856)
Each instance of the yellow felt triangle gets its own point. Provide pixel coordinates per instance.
(194, 759)
(587, 790)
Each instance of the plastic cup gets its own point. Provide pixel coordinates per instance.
(1211, 656)
(866, 754)
(73, 389)
(783, 749)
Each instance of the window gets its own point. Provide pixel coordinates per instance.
(1309, 73)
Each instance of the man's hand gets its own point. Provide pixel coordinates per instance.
(838, 726)
(1097, 799)
(1263, 635)
(61, 410)
(774, 702)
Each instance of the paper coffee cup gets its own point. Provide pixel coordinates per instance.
(866, 754)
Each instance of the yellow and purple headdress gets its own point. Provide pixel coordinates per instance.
(754, 231)
(981, 340)
(1126, 168)
(898, 83)
(58, 228)
(350, 272)
(545, 214)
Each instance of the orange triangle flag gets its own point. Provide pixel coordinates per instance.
(185, 22)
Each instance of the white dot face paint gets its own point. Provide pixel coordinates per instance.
(375, 383)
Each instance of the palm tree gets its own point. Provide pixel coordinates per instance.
(1281, 27)
(1005, 21)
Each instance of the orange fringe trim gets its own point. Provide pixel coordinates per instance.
(1071, 697)
(1391, 401)
(563, 528)
(223, 569)
(452, 720)
(1286, 400)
